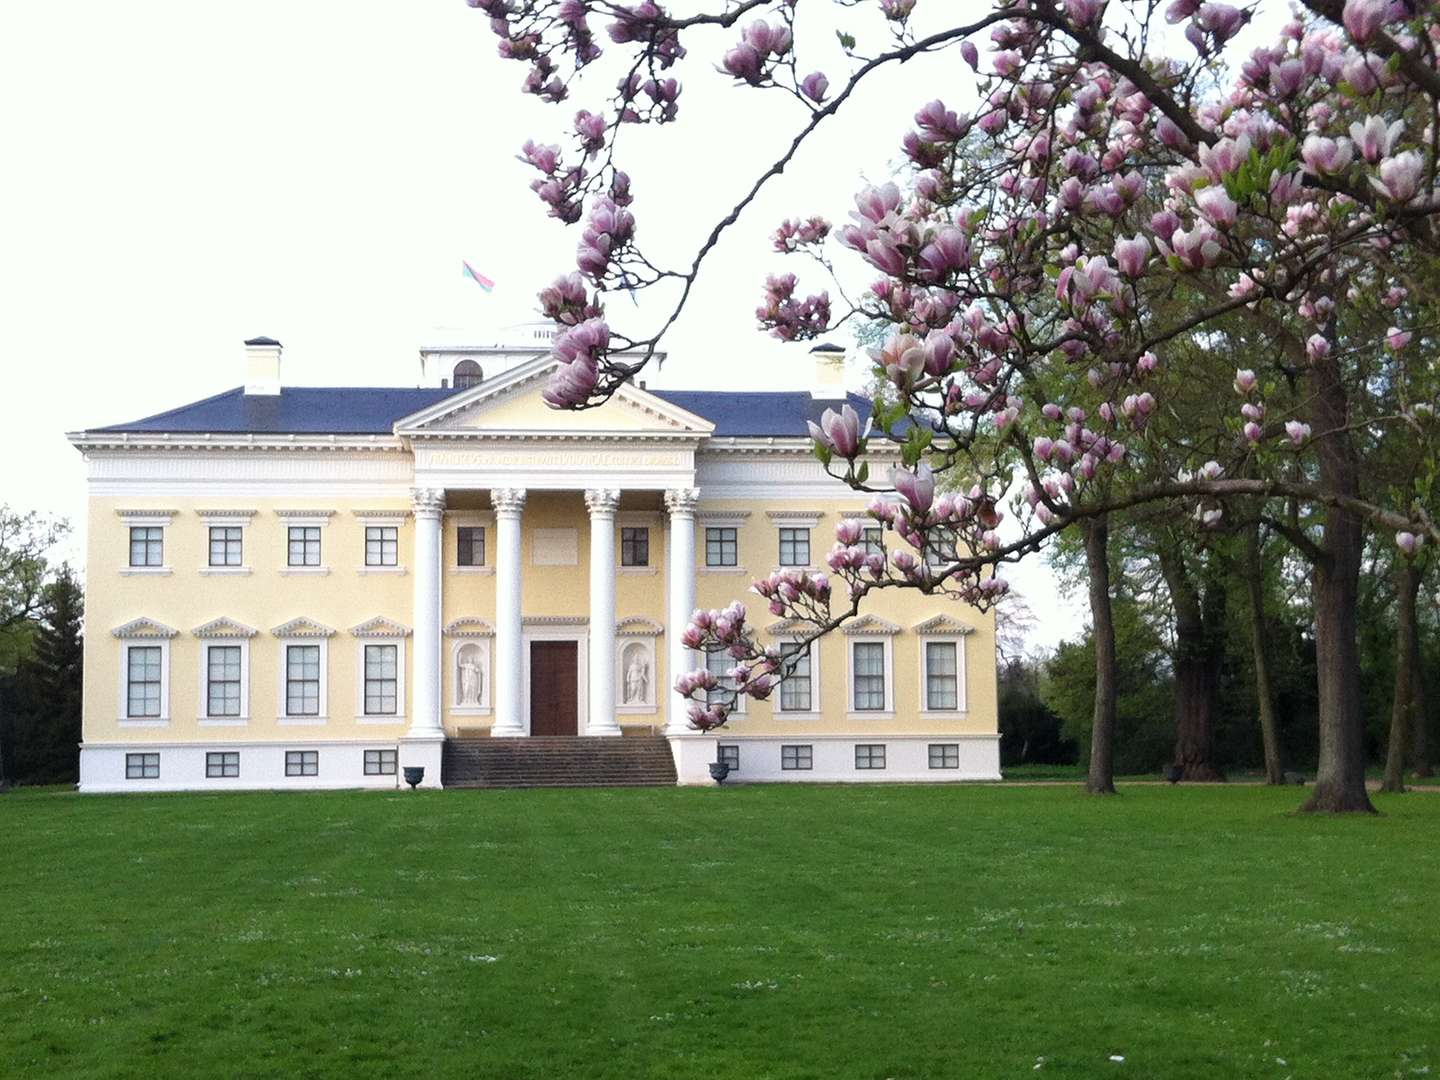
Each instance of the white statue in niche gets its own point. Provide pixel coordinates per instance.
(471, 677)
(637, 676)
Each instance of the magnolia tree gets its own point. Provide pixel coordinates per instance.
(1125, 186)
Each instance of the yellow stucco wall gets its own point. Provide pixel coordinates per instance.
(268, 597)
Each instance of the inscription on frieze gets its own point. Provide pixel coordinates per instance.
(582, 456)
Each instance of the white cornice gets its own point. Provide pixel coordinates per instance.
(226, 514)
(556, 620)
(88, 441)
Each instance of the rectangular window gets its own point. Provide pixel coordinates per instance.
(302, 680)
(226, 763)
(794, 547)
(729, 755)
(225, 545)
(870, 755)
(795, 687)
(720, 547)
(381, 679)
(304, 545)
(941, 676)
(940, 547)
(869, 675)
(873, 537)
(634, 547)
(222, 680)
(142, 669)
(796, 758)
(302, 762)
(719, 665)
(382, 545)
(379, 762)
(944, 755)
(471, 549)
(147, 545)
(142, 766)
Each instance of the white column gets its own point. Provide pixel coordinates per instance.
(601, 503)
(509, 659)
(681, 567)
(429, 506)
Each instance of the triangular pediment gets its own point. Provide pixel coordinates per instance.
(380, 626)
(303, 627)
(512, 405)
(943, 624)
(870, 624)
(789, 627)
(143, 628)
(223, 628)
(469, 626)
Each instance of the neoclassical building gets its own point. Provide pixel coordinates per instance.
(316, 587)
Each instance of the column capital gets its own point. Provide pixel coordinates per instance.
(507, 500)
(427, 502)
(601, 500)
(681, 501)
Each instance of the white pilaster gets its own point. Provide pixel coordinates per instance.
(509, 661)
(424, 741)
(681, 568)
(601, 502)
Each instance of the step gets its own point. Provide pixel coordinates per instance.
(558, 761)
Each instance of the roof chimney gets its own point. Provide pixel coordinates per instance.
(262, 367)
(828, 379)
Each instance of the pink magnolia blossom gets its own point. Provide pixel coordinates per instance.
(1131, 255)
(839, 431)
(1397, 339)
(1197, 249)
(1253, 431)
(1297, 431)
(1317, 347)
(917, 487)
(1217, 207)
(1326, 157)
(1364, 18)
(1374, 138)
(814, 86)
(1408, 543)
(1245, 381)
(1400, 176)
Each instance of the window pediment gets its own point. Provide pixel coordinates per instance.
(144, 628)
(223, 627)
(870, 624)
(303, 627)
(943, 624)
(469, 626)
(638, 626)
(380, 627)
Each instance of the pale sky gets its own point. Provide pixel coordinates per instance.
(182, 176)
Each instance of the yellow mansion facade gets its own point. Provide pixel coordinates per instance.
(317, 587)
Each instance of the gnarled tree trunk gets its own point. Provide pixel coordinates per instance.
(1264, 694)
(1199, 654)
(1101, 779)
(1407, 674)
(1340, 778)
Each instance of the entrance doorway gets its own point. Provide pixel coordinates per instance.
(554, 689)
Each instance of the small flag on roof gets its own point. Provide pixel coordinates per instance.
(477, 277)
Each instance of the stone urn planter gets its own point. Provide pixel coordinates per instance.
(719, 770)
(413, 775)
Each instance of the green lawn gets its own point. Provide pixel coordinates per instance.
(745, 932)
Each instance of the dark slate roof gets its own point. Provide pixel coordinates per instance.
(317, 410)
(262, 341)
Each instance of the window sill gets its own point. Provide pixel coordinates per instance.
(225, 571)
(302, 721)
(722, 570)
(125, 722)
(378, 721)
(873, 714)
(488, 571)
(398, 571)
(634, 709)
(637, 569)
(786, 714)
(304, 571)
(223, 721)
(470, 710)
(145, 571)
(945, 714)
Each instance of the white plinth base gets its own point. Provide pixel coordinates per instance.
(425, 751)
(693, 754)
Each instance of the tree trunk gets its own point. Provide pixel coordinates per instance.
(1340, 778)
(1419, 744)
(1101, 779)
(1199, 655)
(1264, 695)
(1407, 586)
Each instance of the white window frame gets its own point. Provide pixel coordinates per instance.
(469, 520)
(227, 519)
(380, 752)
(152, 519)
(285, 762)
(812, 713)
(202, 713)
(222, 755)
(398, 716)
(728, 752)
(312, 519)
(282, 700)
(719, 519)
(961, 704)
(889, 653)
(377, 520)
(123, 695)
(142, 755)
(808, 520)
(654, 524)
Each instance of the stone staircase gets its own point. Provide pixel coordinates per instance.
(558, 761)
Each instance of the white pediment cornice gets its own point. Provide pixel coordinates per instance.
(469, 626)
(223, 627)
(943, 624)
(144, 628)
(870, 624)
(638, 626)
(464, 414)
(303, 627)
(788, 626)
(380, 626)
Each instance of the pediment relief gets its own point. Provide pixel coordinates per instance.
(380, 626)
(143, 628)
(468, 626)
(638, 626)
(943, 624)
(870, 624)
(223, 628)
(303, 627)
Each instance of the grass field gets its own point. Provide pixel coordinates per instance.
(750, 932)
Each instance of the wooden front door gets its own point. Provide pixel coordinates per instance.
(554, 669)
